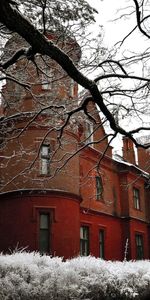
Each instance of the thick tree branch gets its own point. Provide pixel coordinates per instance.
(14, 58)
(14, 21)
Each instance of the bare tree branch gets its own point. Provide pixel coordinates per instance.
(109, 61)
(139, 20)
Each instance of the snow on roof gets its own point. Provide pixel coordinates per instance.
(120, 159)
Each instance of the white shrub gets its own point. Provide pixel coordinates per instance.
(31, 276)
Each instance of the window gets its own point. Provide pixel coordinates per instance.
(101, 244)
(99, 188)
(136, 198)
(89, 132)
(45, 159)
(84, 240)
(44, 233)
(46, 79)
(139, 246)
(72, 88)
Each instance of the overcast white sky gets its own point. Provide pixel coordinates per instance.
(115, 31)
(107, 12)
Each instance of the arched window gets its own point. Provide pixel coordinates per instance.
(71, 88)
(136, 198)
(45, 159)
(99, 188)
(47, 78)
(89, 132)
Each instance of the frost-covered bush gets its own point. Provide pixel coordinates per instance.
(31, 276)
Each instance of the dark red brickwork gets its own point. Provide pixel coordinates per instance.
(69, 196)
(20, 221)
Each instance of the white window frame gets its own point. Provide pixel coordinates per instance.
(45, 159)
(99, 187)
(89, 132)
(44, 232)
(84, 240)
(136, 198)
(72, 88)
(46, 78)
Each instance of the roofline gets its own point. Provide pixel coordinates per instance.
(39, 192)
(129, 165)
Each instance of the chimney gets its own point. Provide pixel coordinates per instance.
(128, 151)
(143, 153)
(144, 159)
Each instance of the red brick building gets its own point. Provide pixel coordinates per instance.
(55, 198)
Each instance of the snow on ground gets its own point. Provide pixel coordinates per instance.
(32, 276)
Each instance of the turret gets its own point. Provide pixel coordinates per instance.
(50, 85)
(33, 155)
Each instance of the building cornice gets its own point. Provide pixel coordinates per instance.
(43, 193)
(123, 218)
